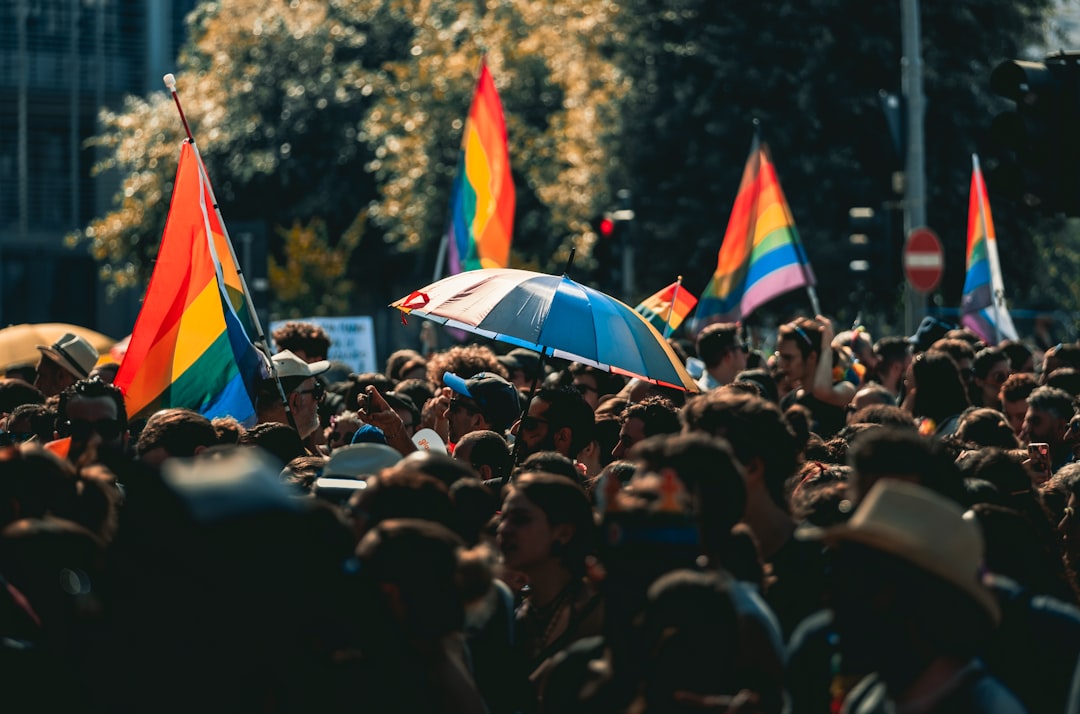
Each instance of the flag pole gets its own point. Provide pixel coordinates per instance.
(671, 308)
(260, 336)
(996, 297)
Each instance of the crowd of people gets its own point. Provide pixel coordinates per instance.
(841, 525)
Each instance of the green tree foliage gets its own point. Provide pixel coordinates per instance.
(811, 72)
(325, 110)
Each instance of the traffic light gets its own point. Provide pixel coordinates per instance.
(1041, 161)
(872, 265)
(606, 251)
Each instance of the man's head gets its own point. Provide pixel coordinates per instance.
(522, 366)
(653, 416)
(174, 432)
(906, 584)
(93, 414)
(303, 392)
(893, 357)
(761, 437)
(306, 340)
(559, 419)
(868, 396)
(722, 350)
(1047, 418)
(798, 347)
(1013, 395)
(594, 383)
(68, 359)
(487, 452)
(484, 401)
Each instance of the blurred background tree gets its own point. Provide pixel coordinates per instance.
(326, 110)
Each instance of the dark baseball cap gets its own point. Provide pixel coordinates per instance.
(497, 398)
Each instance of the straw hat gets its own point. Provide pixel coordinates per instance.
(73, 353)
(917, 525)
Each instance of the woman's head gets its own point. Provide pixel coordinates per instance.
(546, 517)
(939, 389)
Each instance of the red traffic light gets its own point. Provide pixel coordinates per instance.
(607, 227)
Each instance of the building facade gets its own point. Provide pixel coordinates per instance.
(60, 62)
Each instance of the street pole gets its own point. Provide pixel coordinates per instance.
(915, 168)
(626, 215)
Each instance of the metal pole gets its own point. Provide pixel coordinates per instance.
(626, 213)
(915, 169)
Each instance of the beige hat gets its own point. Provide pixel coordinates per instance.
(73, 353)
(917, 525)
(288, 364)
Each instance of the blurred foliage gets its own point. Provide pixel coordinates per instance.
(337, 109)
(311, 279)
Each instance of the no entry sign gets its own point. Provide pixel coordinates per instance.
(924, 260)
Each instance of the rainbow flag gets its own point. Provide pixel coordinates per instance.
(482, 197)
(761, 256)
(982, 306)
(667, 309)
(189, 347)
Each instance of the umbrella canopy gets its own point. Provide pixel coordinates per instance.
(19, 343)
(552, 315)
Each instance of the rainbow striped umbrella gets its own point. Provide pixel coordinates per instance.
(554, 316)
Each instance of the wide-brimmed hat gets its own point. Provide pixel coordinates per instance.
(73, 353)
(288, 364)
(919, 526)
(360, 460)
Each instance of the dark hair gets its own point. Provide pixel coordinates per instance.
(551, 462)
(657, 413)
(805, 332)
(397, 360)
(488, 449)
(418, 390)
(279, 440)
(16, 392)
(307, 337)
(764, 379)
(563, 501)
(986, 427)
(883, 414)
(92, 389)
(1019, 353)
(939, 390)
(755, 428)
(403, 401)
(42, 420)
(1066, 379)
(403, 491)
(358, 384)
(568, 408)
(986, 358)
(902, 453)
(716, 340)
(1018, 385)
(179, 431)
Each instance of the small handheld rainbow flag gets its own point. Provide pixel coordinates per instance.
(667, 309)
(482, 198)
(982, 306)
(761, 256)
(189, 347)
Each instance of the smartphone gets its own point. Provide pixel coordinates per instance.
(1039, 455)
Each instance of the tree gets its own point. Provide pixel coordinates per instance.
(811, 72)
(326, 110)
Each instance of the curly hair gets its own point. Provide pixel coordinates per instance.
(306, 337)
(464, 361)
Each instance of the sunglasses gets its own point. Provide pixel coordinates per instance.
(81, 429)
(7, 438)
(584, 388)
(532, 423)
(317, 392)
(457, 404)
